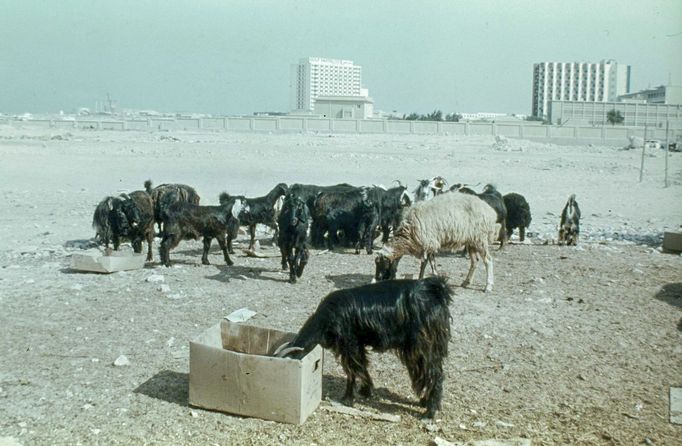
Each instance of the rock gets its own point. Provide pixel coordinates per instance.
(503, 424)
(241, 315)
(121, 361)
(164, 288)
(194, 413)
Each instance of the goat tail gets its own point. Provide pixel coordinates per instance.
(148, 186)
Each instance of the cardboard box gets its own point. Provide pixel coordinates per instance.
(230, 371)
(672, 241)
(116, 261)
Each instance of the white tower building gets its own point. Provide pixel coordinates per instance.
(581, 82)
(316, 76)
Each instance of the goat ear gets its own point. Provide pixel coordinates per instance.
(110, 203)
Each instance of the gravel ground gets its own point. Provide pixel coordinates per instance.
(576, 345)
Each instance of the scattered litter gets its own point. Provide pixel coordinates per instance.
(121, 361)
(155, 278)
(241, 315)
(503, 424)
(253, 253)
(194, 413)
(164, 288)
(340, 408)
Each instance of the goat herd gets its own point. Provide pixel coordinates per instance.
(410, 317)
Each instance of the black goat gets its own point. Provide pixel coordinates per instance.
(128, 216)
(293, 222)
(392, 203)
(184, 221)
(164, 195)
(260, 210)
(351, 211)
(518, 214)
(410, 317)
(569, 226)
(491, 196)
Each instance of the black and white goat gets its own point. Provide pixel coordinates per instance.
(260, 210)
(410, 317)
(187, 221)
(293, 222)
(164, 195)
(518, 214)
(427, 189)
(447, 222)
(569, 226)
(128, 216)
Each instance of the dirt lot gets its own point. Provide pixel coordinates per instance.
(574, 346)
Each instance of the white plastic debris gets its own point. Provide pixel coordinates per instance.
(241, 315)
(121, 361)
(155, 278)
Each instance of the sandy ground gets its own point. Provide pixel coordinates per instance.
(574, 346)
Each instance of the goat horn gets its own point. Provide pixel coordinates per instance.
(280, 348)
(288, 350)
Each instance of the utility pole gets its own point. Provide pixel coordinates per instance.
(667, 143)
(641, 167)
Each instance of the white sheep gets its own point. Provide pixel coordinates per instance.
(446, 222)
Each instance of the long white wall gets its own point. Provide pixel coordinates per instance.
(521, 129)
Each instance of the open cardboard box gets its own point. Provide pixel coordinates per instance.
(116, 261)
(230, 370)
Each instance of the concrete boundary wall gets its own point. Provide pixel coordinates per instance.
(305, 124)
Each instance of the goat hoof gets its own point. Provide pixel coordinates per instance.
(205, 262)
(348, 401)
(229, 262)
(365, 391)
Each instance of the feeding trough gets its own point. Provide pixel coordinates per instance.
(111, 263)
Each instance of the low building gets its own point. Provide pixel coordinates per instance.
(344, 107)
(633, 113)
(664, 94)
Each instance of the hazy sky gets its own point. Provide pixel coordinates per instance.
(233, 57)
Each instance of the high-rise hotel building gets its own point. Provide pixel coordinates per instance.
(315, 76)
(580, 82)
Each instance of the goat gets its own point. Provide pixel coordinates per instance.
(129, 216)
(164, 195)
(569, 226)
(448, 221)
(308, 193)
(184, 221)
(392, 203)
(351, 211)
(260, 210)
(491, 196)
(293, 224)
(410, 317)
(428, 189)
(518, 214)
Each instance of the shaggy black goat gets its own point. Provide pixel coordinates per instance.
(293, 225)
(128, 216)
(569, 227)
(183, 221)
(261, 210)
(410, 317)
(164, 195)
(518, 214)
(393, 202)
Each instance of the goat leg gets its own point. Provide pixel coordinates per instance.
(223, 247)
(473, 258)
(252, 234)
(302, 255)
(422, 267)
(207, 246)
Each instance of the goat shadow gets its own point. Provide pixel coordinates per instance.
(671, 293)
(382, 399)
(167, 385)
(238, 272)
(349, 280)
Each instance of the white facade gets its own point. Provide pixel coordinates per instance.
(316, 76)
(580, 82)
(664, 94)
(344, 107)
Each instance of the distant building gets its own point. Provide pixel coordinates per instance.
(595, 113)
(344, 107)
(578, 82)
(482, 116)
(665, 94)
(315, 76)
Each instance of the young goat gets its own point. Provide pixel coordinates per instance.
(184, 221)
(446, 222)
(518, 214)
(410, 317)
(293, 225)
(569, 226)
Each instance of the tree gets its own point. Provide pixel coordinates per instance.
(614, 117)
(453, 117)
(411, 117)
